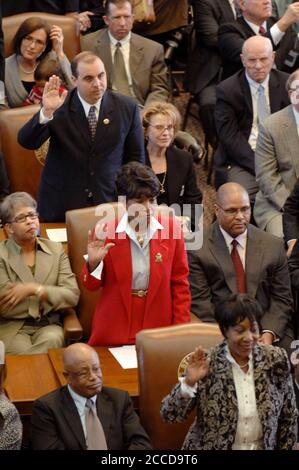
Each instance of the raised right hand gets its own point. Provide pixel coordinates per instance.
(96, 247)
(198, 366)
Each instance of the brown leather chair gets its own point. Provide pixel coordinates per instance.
(71, 46)
(22, 166)
(159, 353)
(78, 222)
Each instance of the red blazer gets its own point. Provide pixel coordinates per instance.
(168, 298)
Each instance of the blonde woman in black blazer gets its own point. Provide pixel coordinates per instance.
(173, 167)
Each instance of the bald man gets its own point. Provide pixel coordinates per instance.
(213, 272)
(59, 419)
(237, 112)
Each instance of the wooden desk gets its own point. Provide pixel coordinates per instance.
(29, 377)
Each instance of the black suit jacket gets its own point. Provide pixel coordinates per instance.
(181, 185)
(212, 277)
(234, 116)
(290, 216)
(77, 167)
(205, 61)
(231, 39)
(56, 424)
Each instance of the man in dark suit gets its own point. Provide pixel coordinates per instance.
(92, 133)
(61, 421)
(145, 72)
(237, 112)
(204, 65)
(261, 269)
(256, 19)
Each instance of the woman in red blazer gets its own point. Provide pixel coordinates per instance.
(141, 264)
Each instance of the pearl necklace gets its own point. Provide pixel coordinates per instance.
(244, 365)
(26, 71)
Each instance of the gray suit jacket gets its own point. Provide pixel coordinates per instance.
(52, 270)
(147, 66)
(15, 91)
(212, 277)
(276, 164)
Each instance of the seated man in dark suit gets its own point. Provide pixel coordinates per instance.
(256, 19)
(84, 414)
(238, 257)
(243, 101)
(92, 133)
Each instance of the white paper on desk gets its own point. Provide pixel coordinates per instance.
(125, 356)
(57, 234)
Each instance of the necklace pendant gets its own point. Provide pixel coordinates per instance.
(162, 190)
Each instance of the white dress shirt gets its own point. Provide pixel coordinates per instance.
(241, 246)
(275, 32)
(296, 114)
(80, 403)
(253, 85)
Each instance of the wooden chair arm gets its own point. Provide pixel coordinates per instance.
(72, 328)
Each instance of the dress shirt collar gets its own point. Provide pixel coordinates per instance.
(124, 226)
(123, 41)
(241, 239)
(256, 27)
(296, 114)
(87, 106)
(234, 362)
(80, 401)
(255, 85)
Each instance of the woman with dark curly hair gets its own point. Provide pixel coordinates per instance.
(242, 390)
(141, 263)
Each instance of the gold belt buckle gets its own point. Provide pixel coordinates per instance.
(140, 293)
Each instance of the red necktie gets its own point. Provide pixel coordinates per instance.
(240, 274)
(262, 31)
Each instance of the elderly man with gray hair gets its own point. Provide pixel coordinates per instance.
(243, 101)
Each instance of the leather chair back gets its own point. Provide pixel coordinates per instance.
(159, 353)
(68, 25)
(78, 223)
(22, 166)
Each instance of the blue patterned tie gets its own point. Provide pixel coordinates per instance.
(262, 106)
(92, 121)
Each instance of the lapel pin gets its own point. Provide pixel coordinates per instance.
(106, 121)
(158, 258)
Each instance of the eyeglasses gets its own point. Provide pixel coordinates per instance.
(233, 212)
(30, 40)
(19, 219)
(161, 128)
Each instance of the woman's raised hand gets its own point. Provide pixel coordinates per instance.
(198, 366)
(97, 248)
